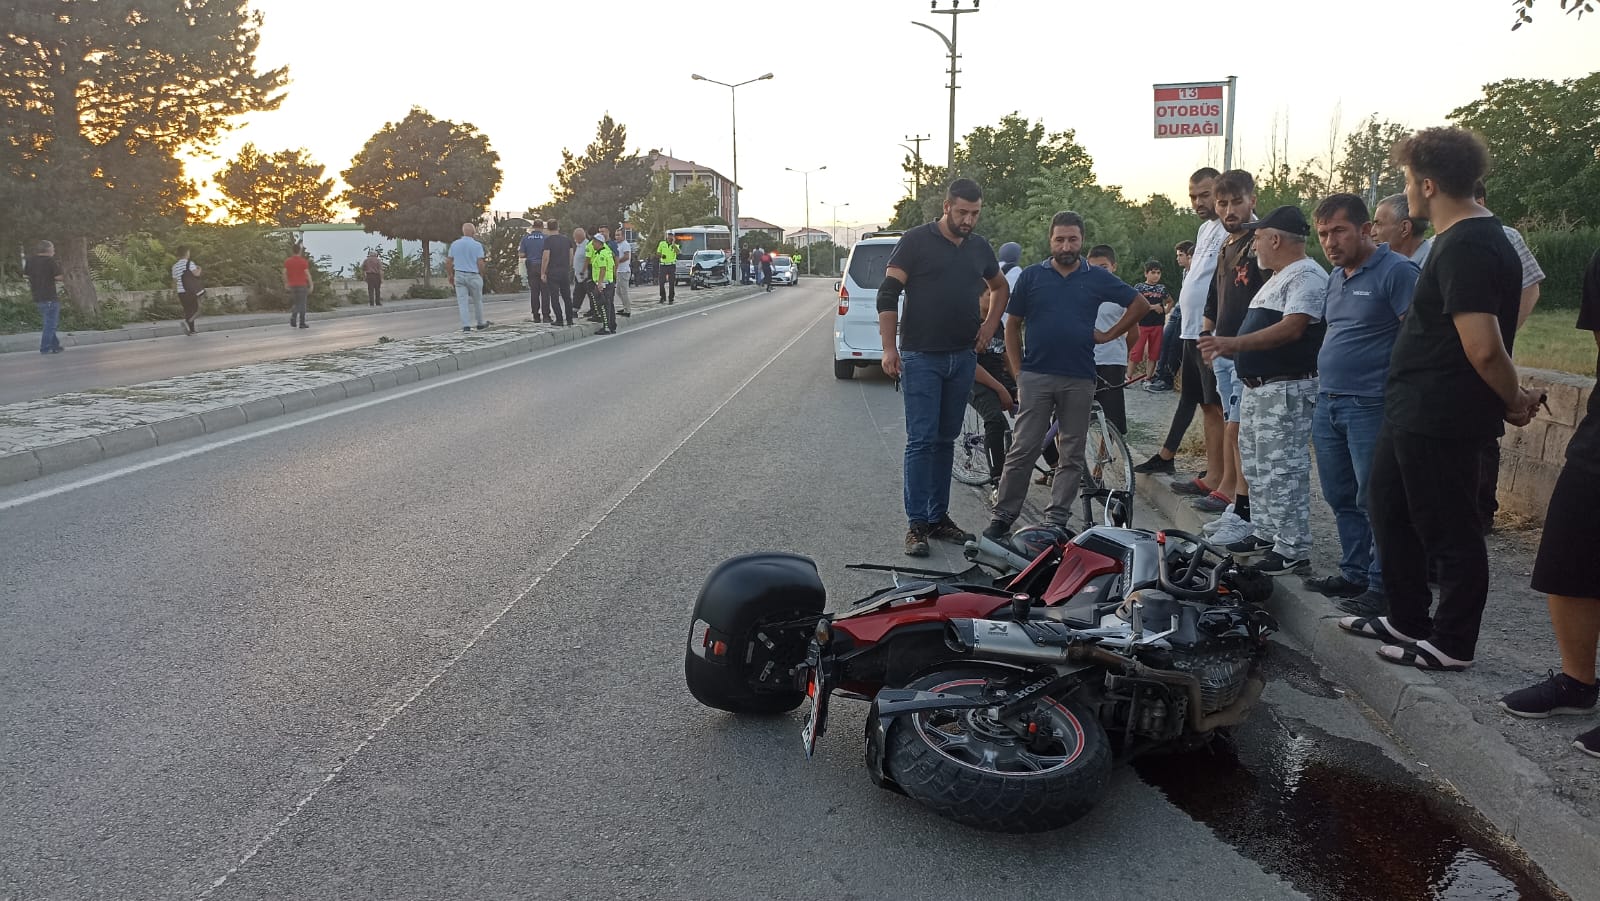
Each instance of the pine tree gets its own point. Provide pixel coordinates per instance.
(600, 187)
(284, 188)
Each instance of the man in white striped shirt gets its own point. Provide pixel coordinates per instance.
(190, 301)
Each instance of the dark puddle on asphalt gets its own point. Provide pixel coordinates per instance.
(1335, 817)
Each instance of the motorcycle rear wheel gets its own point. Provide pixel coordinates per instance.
(967, 767)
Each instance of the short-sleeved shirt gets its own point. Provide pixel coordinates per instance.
(1583, 450)
(1059, 313)
(372, 266)
(465, 253)
(1155, 316)
(1298, 288)
(532, 247)
(1197, 281)
(560, 249)
(41, 272)
(1531, 273)
(1234, 285)
(1111, 353)
(177, 274)
(297, 271)
(603, 265)
(993, 360)
(1363, 313)
(943, 284)
(1433, 389)
(623, 249)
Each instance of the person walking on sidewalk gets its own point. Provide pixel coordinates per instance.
(1368, 295)
(463, 266)
(667, 269)
(624, 254)
(1451, 385)
(42, 272)
(555, 270)
(942, 267)
(297, 279)
(1562, 568)
(603, 268)
(531, 251)
(1275, 353)
(1050, 341)
(372, 270)
(186, 279)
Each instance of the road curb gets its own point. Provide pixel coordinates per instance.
(32, 463)
(1513, 792)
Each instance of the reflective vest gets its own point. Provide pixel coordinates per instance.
(668, 252)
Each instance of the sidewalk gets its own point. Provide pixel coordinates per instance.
(138, 331)
(57, 433)
(1524, 775)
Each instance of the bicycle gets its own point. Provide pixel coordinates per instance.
(1108, 463)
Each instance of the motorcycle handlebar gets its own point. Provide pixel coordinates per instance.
(1201, 548)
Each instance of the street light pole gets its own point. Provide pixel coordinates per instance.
(806, 173)
(833, 233)
(733, 92)
(955, 12)
(916, 165)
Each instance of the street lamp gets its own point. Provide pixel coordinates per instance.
(955, 12)
(833, 233)
(807, 174)
(733, 93)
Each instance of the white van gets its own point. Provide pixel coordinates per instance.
(855, 329)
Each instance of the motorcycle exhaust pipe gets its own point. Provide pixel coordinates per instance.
(997, 639)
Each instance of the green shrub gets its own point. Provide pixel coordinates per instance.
(355, 297)
(1563, 254)
(20, 314)
(428, 292)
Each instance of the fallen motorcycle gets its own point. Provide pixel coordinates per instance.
(999, 703)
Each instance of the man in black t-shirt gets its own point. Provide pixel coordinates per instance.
(555, 270)
(943, 268)
(1451, 385)
(43, 272)
(1564, 570)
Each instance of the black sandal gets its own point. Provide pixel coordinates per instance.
(1372, 627)
(1420, 657)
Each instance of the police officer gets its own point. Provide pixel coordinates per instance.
(667, 270)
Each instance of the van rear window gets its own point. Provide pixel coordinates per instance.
(868, 263)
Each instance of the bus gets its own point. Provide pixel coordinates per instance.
(698, 237)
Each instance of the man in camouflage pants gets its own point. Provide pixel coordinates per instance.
(1276, 355)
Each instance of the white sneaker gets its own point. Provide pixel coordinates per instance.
(1238, 530)
(1226, 519)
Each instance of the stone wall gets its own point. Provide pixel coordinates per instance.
(1531, 457)
(132, 300)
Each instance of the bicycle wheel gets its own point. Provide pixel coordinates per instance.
(1107, 461)
(971, 466)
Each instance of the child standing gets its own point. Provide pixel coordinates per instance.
(1147, 347)
(1111, 358)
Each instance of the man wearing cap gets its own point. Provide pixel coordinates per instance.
(667, 270)
(531, 251)
(1275, 352)
(603, 270)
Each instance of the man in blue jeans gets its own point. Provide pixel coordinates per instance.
(1369, 292)
(943, 268)
(43, 272)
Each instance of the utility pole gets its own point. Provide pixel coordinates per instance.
(916, 162)
(807, 174)
(955, 12)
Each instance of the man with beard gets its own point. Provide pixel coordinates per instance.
(1197, 391)
(1050, 341)
(1451, 385)
(942, 267)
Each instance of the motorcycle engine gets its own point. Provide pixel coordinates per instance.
(1222, 674)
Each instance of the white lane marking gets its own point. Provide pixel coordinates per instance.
(430, 385)
(583, 534)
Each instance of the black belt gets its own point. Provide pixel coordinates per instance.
(1269, 379)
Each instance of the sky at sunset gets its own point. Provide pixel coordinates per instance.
(853, 79)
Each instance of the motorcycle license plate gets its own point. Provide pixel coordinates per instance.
(816, 723)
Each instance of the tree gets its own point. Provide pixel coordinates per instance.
(284, 188)
(600, 187)
(1368, 166)
(663, 208)
(1525, 7)
(421, 178)
(100, 95)
(1004, 160)
(1542, 138)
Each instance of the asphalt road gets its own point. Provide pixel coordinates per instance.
(431, 647)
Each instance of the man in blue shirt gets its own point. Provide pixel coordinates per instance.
(1050, 342)
(463, 266)
(531, 252)
(1368, 294)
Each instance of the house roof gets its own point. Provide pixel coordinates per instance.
(660, 161)
(751, 223)
(803, 232)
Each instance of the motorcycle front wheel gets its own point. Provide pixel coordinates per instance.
(971, 768)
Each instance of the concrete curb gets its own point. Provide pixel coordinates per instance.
(1508, 788)
(31, 464)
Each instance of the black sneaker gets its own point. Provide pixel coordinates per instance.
(1335, 586)
(1558, 695)
(1367, 603)
(1251, 546)
(1190, 488)
(1589, 742)
(1156, 465)
(998, 530)
(1273, 564)
(917, 540)
(947, 530)
(1158, 387)
(466, 328)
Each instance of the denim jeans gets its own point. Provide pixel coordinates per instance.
(1228, 387)
(469, 298)
(50, 312)
(935, 387)
(1171, 349)
(1344, 431)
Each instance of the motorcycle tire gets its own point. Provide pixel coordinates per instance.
(740, 597)
(985, 777)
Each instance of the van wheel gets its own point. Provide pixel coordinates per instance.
(844, 369)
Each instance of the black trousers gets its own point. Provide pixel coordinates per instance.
(605, 305)
(1488, 482)
(1111, 399)
(190, 304)
(536, 299)
(585, 291)
(557, 301)
(667, 279)
(374, 289)
(1422, 500)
